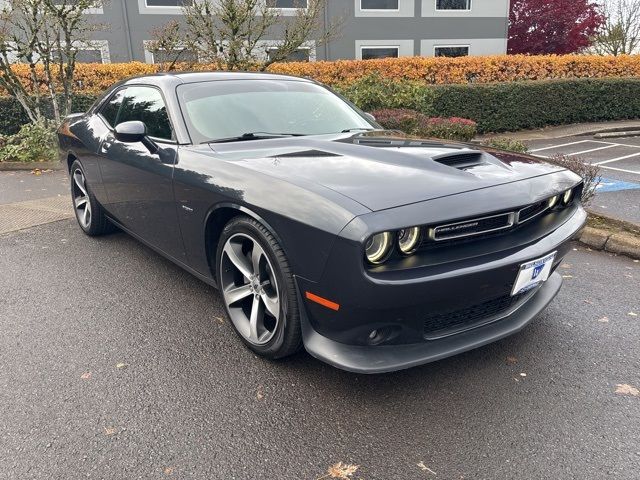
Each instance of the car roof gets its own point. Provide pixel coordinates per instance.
(172, 78)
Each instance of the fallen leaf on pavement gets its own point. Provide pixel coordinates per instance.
(565, 265)
(604, 320)
(168, 470)
(424, 468)
(260, 393)
(36, 171)
(523, 374)
(512, 360)
(633, 314)
(122, 366)
(567, 276)
(219, 319)
(624, 389)
(342, 471)
(86, 376)
(109, 431)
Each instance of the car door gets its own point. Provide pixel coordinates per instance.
(138, 181)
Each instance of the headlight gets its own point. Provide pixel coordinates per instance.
(567, 197)
(408, 239)
(553, 201)
(378, 246)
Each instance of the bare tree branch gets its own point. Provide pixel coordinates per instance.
(46, 35)
(621, 32)
(249, 34)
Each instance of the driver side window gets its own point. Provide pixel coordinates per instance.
(146, 104)
(110, 109)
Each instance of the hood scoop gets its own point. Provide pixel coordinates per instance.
(461, 160)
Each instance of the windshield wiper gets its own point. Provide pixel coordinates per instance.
(254, 136)
(364, 129)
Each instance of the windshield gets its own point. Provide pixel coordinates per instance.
(227, 109)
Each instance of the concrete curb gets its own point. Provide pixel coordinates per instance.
(625, 134)
(13, 166)
(612, 235)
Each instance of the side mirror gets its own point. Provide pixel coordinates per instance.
(135, 131)
(131, 132)
(369, 117)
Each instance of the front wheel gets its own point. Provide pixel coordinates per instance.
(89, 212)
(258, 289)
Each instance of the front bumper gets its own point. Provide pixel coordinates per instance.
(405, 304)
(388, 358)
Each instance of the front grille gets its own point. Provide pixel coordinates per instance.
(446, 323)
(471, 227)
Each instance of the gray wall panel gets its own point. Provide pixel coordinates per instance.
(485, 24)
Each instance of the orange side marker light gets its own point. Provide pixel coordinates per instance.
(323, 301)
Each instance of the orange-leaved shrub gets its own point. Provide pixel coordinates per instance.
(94, 78)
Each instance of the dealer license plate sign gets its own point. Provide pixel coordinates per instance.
(532, 274)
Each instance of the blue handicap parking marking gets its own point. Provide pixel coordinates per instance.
(612, 185)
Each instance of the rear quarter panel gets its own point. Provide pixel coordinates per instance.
(80, 137)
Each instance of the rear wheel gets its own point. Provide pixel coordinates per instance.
(258, 289)
(89, 212)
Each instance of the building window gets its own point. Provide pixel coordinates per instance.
(300, 55)
(96, 51)
(287, 3)
(379, 5)
(167, 3)
(453, 51)
(89, 56)
(369, 53)
(453, 4)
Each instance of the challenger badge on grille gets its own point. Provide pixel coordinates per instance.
(476, 226)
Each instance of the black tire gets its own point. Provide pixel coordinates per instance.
(287, 336)
(98, 223)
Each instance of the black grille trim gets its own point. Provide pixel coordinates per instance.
(532, 211)
(455, 321)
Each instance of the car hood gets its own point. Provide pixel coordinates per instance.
(382, 170)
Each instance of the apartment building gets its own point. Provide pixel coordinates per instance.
(371, 28)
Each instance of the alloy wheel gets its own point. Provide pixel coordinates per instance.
(81, 201)
(250, 289)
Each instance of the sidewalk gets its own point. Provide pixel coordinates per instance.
(27, 200)
(562, 131)
(19, 186)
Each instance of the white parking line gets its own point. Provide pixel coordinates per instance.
(621, 170)
(637, 154)
(559, 146)
(595, 149)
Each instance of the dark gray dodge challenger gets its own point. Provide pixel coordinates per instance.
(373, 250)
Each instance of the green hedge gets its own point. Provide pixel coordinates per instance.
(495, 107)
(12, 116)
(511, 106)
(519, 105)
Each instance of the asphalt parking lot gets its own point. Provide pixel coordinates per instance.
(116, 364)
(619, 161)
